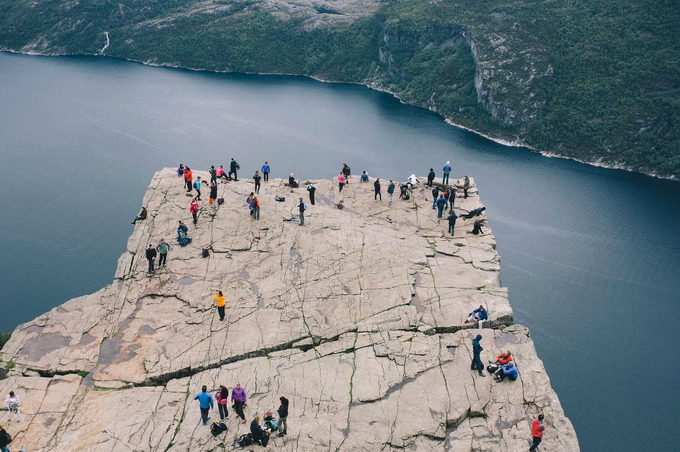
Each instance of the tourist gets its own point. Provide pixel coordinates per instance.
(5, 439)
(537, 432)
(213, 175)
(476, 358)
(474, 212)
(302, 208)
(452, 221)
(141, 215)
(182, 230)
(435, 196)
(430, 177)
(341, 181)
(233, 168)
(163, 247)
(364, 177)
(213, 193)
(151, 257)
(180, 170)
(479, 314)
(13, 406)
(445, 193)
(255, 203)
(219, 301)
(193, 210)
(222, 397)
(477, 228)
(197, 187)
(257, 178)
(346, 172)
(265, 171)
(403, 192)
(466, 186)
(503, 358)
(239, 397)
(376, 188)
(259, 434)
(311, 189)
(205, 403)
(283, 416)
(249, 202)
(447, 171)
(452, 196)
(220, 173)
(390, 192)
(292, 182)
(188, 177)
(507, 370)
(441, 203)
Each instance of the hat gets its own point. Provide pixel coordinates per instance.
(300, 199)
(481, 306)
(511, 364)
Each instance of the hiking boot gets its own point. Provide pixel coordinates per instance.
(482, 375)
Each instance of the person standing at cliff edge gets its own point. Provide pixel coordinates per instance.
(151, 255)
(257, 178)
(537, 432)
(476, 356)
(377, 192)
(265, 171)
(430, 177)
(447, 171)
(239, 397)
(390, 191)
(219, 301)
(346, 171)
(205, 403)
(233, 167)
(311, 189)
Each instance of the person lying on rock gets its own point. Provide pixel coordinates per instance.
(474, 213)
(507, 370)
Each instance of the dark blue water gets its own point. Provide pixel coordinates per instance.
(591, 256)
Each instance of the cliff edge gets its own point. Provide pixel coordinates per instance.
(357, 318)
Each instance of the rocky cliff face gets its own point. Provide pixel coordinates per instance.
(357, 317)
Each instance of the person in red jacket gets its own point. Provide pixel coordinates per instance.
(537, 432)
(504, 358)
(193, 210)
(188, 177)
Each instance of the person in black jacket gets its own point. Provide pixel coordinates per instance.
(151, 255)
(311, 189)
(301, 206)
(430, 177)
(233, 166)
(259, 434)
(476, 356)
(283, 416)
(141, 215)
(376, 186)
(5, 439)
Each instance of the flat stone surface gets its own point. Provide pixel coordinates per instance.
(357, 317)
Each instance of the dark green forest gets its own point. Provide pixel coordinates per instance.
(594, 80)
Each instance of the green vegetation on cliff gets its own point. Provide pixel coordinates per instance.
(594, 80)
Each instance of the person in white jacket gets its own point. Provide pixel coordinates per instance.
(13, 405)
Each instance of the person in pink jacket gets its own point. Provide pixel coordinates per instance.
(193, 210)
(341, 181)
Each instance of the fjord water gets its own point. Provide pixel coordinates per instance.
(591, 256)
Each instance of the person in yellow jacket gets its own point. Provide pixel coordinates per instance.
(219, 300)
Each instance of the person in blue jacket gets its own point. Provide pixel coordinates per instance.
(441, 203)
(478, 314)
(507, 370)
(205, 402)
(447, 171)
(476, 356)
(265, 171)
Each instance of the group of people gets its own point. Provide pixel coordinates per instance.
(503, 367)
(260, 433)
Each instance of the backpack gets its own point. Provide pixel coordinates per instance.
(184, 241)
(217, 427)
(197, 185)
(280, 198)
(237, 166)
(245, 440)
(271, 424)
(205, 252)
(220, 201)
(306, 207)
(492, 368)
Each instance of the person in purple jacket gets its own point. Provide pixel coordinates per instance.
(239, 397)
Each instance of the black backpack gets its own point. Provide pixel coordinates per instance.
(217, 427)
(205, 252)
(245, 440)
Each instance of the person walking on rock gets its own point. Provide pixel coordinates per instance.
(197, 187)
(255, 203)
(205, 403)
(239, 397)
(430, 177)
(219, 301)
(302, 208)
(151, 255)
(341, 181)
(346, 172)
(452, 196)
(452, 221)
(376, 188)
(233, 167)
(476, 356)
(447, 171)
(435, 196)
(141, 215)
(188, 177)
(537, 429)
(222, 397)
(390, 192)
(5, 439)
(441, 203)
(163, 247)
(265, 171)
(311, 189)
(257, 178)
(13, 406)
(193, 210)
(213, 193)
(283, 416)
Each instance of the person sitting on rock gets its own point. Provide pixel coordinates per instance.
(477, 228)
(292, 182)
(364, 177)
(503, 358)
(507, 370)
(479, 314)
(141, 215)
(260, 435)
